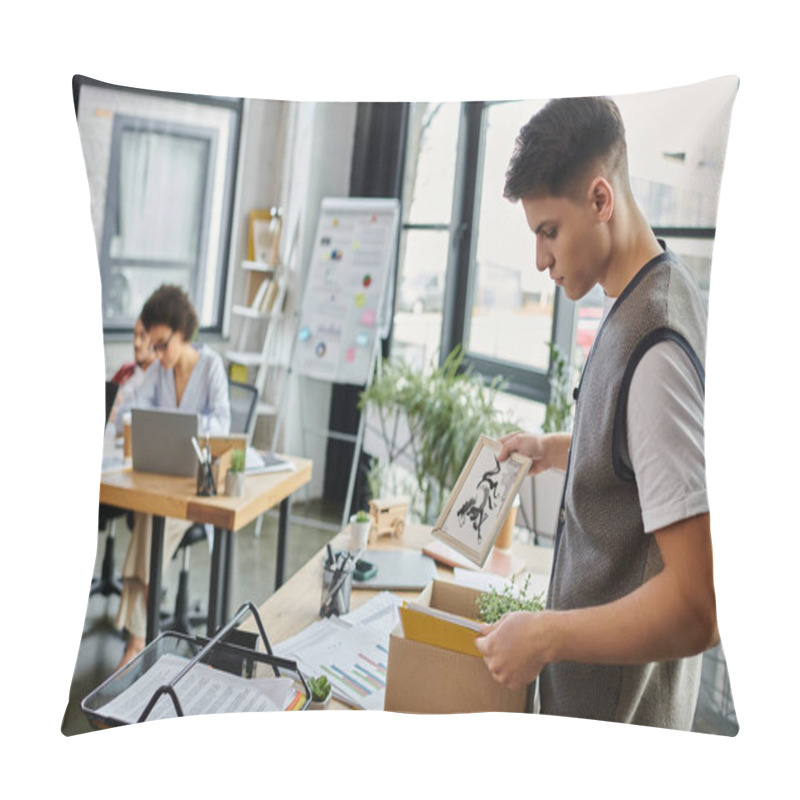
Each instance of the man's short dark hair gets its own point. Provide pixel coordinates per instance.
(560, 142)
(170, 306)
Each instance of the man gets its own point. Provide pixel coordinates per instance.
(130, 376)
(631, 599)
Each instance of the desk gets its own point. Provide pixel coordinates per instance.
(169, 496)
(296, 604)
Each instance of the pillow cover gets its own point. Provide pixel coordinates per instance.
(163, 179)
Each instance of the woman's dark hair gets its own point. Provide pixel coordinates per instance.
(560, 142)
(170, 306)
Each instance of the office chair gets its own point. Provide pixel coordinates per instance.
(106, 583)
(243, 399)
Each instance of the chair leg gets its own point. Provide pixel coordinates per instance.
(106, 584)
(181, 620)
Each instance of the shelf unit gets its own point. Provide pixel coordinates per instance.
(266, 297)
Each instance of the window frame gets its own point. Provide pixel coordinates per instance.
(236, 106)
(520, 380)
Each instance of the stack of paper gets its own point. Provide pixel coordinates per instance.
(256, 462)
(202, 690)
(351, 651)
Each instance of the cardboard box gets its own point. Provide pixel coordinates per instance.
(423, 678)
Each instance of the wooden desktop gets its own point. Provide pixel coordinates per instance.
(169, 496)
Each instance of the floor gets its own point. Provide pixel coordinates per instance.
(253, 580)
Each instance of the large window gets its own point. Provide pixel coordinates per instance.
(161, 170)
(467, 270)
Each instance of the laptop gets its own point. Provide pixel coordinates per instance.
(161, 441)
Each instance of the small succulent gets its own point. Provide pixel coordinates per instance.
(237, 461)
(362, 516)
(320, 688)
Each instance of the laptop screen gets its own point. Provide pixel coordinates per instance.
(161, 441)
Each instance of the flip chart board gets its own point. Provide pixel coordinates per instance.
(346, 302)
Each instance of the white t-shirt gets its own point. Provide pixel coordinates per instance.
(666, 436)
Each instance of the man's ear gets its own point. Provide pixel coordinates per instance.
(601, 196)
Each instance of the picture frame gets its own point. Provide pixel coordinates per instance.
(480, 500)
(262, 241)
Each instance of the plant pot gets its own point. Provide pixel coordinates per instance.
(359, 534)
(320, 705)
(548, 488)
(234, 484)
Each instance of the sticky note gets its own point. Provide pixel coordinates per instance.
(360, 299)
(362, 338)
(368, 317)
(350, 355)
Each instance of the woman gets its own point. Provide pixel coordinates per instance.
(185, 377)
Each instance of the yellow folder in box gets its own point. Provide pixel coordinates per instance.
(440, 629)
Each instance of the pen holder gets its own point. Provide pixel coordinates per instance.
(337, 581)
(205, 480)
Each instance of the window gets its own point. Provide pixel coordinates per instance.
(467, 259)
(426, 230)
(452, 208)
(161, 170)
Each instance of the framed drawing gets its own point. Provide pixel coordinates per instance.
(480, 500)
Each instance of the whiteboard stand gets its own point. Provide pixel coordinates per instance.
(356, 439)
(345, 312)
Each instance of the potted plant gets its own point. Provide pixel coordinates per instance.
(360, 524)
(493, 604)
(427, 422)
(548, 486)
(234, 477)
(321, 691)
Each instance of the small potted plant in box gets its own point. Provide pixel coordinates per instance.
(321, 691)
(234, 477)
(494, 604)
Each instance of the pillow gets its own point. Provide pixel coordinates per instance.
(146, 151)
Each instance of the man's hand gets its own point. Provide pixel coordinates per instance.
(516, 647)
(672, 615)
(546, 451)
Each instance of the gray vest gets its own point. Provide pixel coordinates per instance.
(602, 552)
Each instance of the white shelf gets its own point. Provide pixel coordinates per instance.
(251, 313)
(260, 266)
(266, 409)
(248, 359)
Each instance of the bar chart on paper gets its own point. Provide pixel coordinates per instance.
(351, 652)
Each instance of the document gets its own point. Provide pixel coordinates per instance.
(203, 690)
(256, 462)
(352, 651)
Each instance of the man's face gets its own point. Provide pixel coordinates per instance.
(570, 242)
(141, 345)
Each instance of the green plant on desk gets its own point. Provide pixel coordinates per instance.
(237, 461)
(362, 516)
(493, 604)
(320, 688)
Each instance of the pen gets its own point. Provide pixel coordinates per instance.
(197, 449)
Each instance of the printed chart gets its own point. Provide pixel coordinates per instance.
(352, 652)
